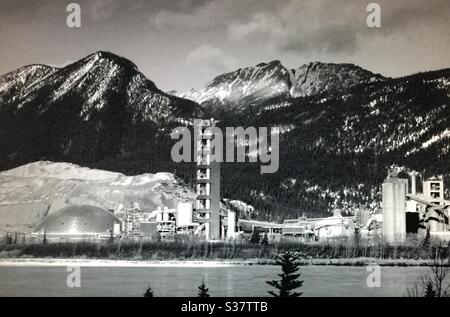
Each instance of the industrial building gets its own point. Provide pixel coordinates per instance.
(394, 191)
(208, 216)
(79, 223)
(405, 212)
(304, 229)
(336, 227)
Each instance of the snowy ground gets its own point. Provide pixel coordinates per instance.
(30, 192)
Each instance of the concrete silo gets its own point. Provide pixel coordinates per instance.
(159, 214)
(400, 209)
(185, 214)
(394, 191)
(166, 214)
(231, 232)
(388, 192)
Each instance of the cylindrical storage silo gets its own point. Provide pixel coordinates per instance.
(166, 214)
(413, 184)
(400, 209)
(364, 216)
(159, 214)
(207, 229)
(117, 228)
(231, 232)
(388, 189)
(184, 214)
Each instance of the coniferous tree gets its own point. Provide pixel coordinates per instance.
(7, 239)
(203, 291)
(430, 292)
(149, 292)
(448, 252)
(289, 277)
(426, 241)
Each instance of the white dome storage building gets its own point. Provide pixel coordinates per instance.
(78, 223)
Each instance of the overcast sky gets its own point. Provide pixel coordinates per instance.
(181, 44)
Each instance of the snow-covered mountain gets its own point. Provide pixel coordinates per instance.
(317, 78)
(247, 85)
(255, 85)
(341, 127)
(336, 147)
(91, 109)
(95, 81)
(16, 84)
(30, 192)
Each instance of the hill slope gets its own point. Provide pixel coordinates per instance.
(30, 192)
(342, 127)
(252, 86)
(91, 110)
(336, 147)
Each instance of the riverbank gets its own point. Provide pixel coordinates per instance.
(142, 263)
(338, 253)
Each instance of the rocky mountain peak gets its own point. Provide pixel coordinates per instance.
(12, 83)
(102, 101)
(245, 86)
(257, 84)
(108, 58)
(317, 77)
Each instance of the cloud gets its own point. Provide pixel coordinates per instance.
(301, 26)
(261, 25)
(210, 58)
(402, 14)
(102, 10)
(191, 15)
(61, 65)
(167, 38)
(167, 19)
(322, 26)
(329, 39)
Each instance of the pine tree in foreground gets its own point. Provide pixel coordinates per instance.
(149, 292)
(203, 291)
(44, 239)
(429, 292)
(426, 240)
(289, 277)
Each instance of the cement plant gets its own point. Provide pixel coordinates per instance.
(225, 148)
(405, 214)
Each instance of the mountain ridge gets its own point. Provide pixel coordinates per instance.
(336, 143)
(89, 109)
(252, 85)
(30, 192)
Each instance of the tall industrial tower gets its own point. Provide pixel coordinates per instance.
(208, 181)
(433, 190)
